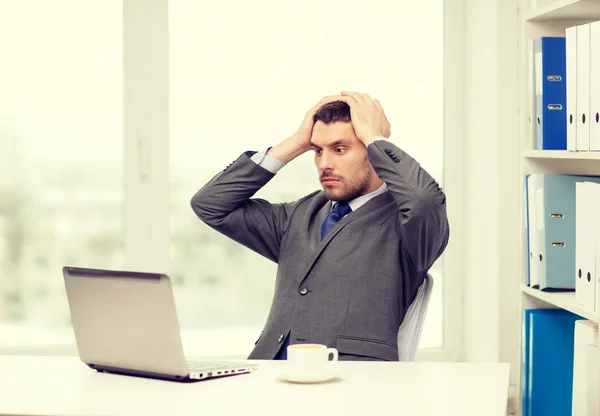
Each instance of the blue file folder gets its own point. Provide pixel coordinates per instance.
(525, 387)
(554, 209)
(548, 363)
(550, 93)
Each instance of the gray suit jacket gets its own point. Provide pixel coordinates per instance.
(352, 289)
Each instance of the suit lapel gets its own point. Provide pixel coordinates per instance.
(316, 245)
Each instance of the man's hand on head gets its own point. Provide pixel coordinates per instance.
(299, 142)
(304, 133)
(368, 117)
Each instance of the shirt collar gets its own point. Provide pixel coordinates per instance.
(356, 203)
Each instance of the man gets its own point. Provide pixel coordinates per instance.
(350, 257)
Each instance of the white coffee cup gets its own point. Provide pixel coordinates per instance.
(311, 358)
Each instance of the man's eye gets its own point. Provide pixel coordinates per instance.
(317, 151)
(339, 149)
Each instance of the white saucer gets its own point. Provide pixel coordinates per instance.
(296, 377)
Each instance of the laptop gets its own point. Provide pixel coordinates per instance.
(126, 323)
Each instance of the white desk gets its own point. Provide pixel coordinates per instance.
(35, 385)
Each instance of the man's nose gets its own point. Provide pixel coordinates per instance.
(325, 162)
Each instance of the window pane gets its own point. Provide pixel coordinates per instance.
(242, 80)
(60, 152)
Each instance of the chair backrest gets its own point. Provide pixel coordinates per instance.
(409, 333)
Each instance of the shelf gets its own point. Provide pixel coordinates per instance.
(562, 300)
(561, 154)
(566, 9)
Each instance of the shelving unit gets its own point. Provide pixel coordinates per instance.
(566, 9)
(561, 154)
(547, 20)
(563, 300)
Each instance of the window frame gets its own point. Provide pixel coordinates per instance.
(454, 185)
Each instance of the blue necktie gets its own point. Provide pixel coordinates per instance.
(338, 212)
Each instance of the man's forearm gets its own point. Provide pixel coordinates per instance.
(286, 151)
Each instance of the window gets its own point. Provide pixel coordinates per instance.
(242, 80)
(60, 153)
(238, 80)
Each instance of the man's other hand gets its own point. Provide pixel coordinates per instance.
(368, 117)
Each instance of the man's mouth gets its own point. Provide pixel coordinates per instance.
(329, 180)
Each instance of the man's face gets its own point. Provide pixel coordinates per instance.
(342, 161)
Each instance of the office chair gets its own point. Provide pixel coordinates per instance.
(409, 333)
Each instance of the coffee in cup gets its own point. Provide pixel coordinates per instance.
(311, 358)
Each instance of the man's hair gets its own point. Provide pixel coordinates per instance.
(332, 112)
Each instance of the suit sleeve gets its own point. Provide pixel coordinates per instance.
(422, 221)
(225, 204)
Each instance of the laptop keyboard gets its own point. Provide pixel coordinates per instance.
(196, 366)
